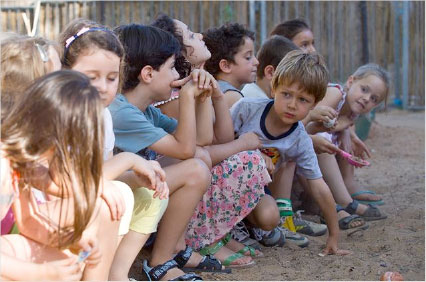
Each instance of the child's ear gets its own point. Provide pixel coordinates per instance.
(146, 74)
(350, 81)
(224, 66)
(268, 71)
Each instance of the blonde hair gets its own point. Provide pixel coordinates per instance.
(21, 63)
(60, 112)
(376, 70)
(308, 70)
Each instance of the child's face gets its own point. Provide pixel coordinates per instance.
(196, 50)
(162, 79)
(305, 41)
(365, 94)
(291, 103)
(103, 69)
(245, 66)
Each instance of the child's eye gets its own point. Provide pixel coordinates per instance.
(374, 99)
(286, 94)
(112, 79)
(364, 89)
(303, 100)
(192, 35)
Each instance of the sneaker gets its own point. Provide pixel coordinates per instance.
(294, 238)
(270, 238)
(308, 227)
(241, 234)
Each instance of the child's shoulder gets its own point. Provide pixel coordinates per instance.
(253, 103)
(335, 88)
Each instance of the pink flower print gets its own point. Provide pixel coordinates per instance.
(255, 159)
(245, 158)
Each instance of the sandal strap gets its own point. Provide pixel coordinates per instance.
(209, 262)
(157, 272)
(232, 258)
(212, 249)
(351, 208)
(183, 256)
(339, 208)
(247, 248)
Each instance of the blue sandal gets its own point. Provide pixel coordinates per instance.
(372, 202)
(157, 272)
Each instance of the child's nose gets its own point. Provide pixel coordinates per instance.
(311, 49)
(100, 85)
(200, 36)
(255, 61)
(292, 103)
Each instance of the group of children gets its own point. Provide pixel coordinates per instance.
(114, 139)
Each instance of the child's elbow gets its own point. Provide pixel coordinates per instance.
(188, 152)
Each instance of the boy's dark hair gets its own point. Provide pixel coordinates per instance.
(290, 28)
(144, 45)
(307, 70)
(272, 52)
(223, 43)
(166, 23)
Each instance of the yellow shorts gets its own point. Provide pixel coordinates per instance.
(147, 211)
(129, 202)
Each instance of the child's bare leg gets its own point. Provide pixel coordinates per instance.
(129, 248)
(187, 181)
(333, 177)
(107, 240)
(348, 174)
(280, 187)
(265, 215)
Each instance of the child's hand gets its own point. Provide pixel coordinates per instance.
(89, 244)
(269, 164)
(359, 148)
(150, 170)
(114, 200)
(331, 248)
(322, 114)
(251, 140)
(322, 145)
(204, 78)
(161, 189)
(66, 269)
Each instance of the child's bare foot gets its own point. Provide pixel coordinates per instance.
(348, 221)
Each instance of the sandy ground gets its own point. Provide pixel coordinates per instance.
(397, 172)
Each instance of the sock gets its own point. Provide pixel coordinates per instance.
(285, 207)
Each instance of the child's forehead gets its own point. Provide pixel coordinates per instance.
(292, 86)
(375, 83)
(246, 45)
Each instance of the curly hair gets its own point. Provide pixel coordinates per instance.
(164, 22)
(223, 43)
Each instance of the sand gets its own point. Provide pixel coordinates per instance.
(397, 172)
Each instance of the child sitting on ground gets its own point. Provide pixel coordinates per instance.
(40, 131)
(233, 62)
(140, 128)
(299, 82)
(96, 51)
(364, 90)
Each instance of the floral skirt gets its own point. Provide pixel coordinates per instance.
(237, 184)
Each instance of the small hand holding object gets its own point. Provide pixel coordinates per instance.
(251, 140)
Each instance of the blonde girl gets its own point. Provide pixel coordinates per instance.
(365, 89)
(39, 141)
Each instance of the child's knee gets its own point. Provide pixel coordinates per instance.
(199, 175)
(267, 214)
(203, 155)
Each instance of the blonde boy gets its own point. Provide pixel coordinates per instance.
(299, 83)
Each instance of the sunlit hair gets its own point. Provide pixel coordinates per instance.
(374, 69)
(23, 59)
(307, 70)
(290, 29)
(59, 113)
(101, 38)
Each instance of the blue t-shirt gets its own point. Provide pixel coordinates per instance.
(135, 130)
(249, 115)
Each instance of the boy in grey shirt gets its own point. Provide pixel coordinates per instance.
(299, 82)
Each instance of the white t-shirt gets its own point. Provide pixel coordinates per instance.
(252, 90)
(109, 137)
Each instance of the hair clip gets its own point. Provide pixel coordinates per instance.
(43, 54)
(82, 31)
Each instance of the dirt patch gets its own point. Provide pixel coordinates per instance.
(397, 172)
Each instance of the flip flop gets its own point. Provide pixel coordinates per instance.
(214, 248)
(376, 202)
